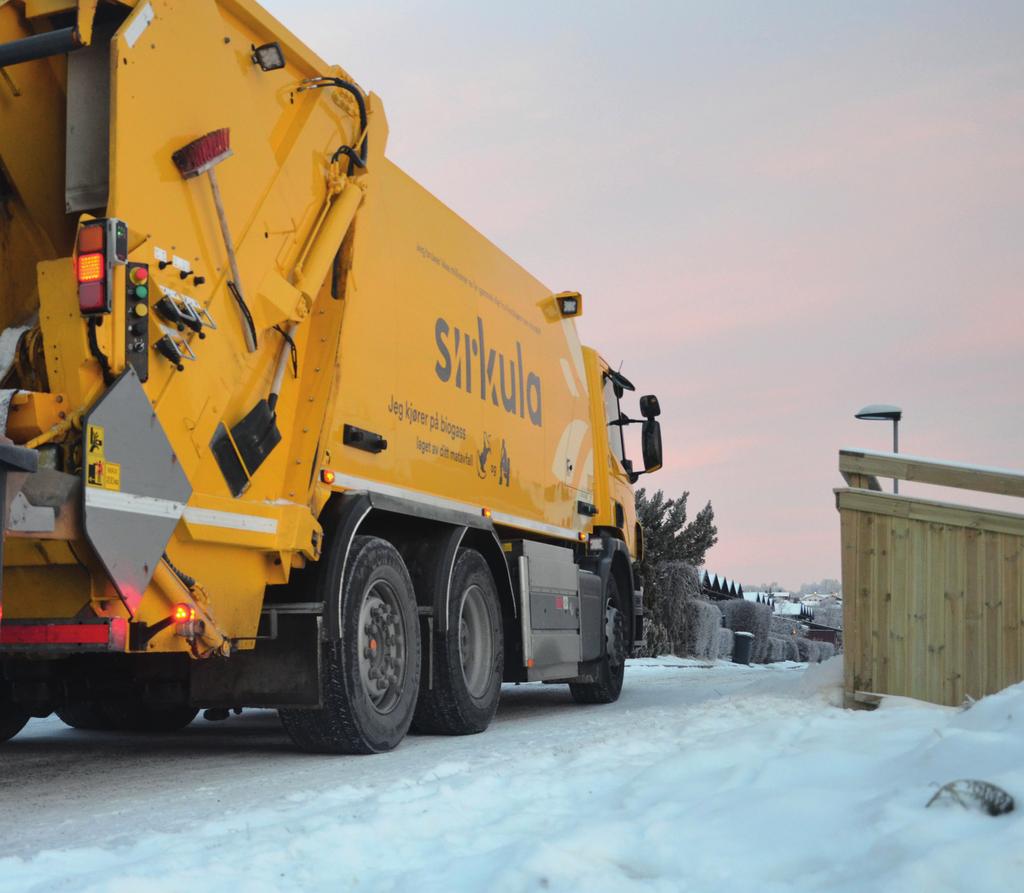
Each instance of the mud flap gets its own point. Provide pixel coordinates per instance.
(134, 488)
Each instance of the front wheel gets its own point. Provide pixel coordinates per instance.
(611, 668)
(370, 676)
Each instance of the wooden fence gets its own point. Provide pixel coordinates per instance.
(933, 593)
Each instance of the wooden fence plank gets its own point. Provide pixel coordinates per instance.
(929, 471)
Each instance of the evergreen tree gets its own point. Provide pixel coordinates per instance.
(667, 536)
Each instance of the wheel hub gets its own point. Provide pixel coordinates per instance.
(476, 650)
(615, 635)
(382, 647)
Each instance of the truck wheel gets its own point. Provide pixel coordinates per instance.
(12, 719)
(468, 656)
(137, 717)
(86, 716)
(612, 667)
(370, 676)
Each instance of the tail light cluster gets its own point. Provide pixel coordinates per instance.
(101, 244)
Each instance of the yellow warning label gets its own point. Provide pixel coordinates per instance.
(94, 473)
(95, 438)
(111, 476)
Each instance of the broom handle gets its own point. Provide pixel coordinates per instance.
(250, 342)
(282, 365)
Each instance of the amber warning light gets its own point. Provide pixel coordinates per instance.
(183, 613)
(90, 268)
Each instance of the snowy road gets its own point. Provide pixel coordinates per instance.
(697, 778)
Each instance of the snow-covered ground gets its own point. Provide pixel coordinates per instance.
(700, 778)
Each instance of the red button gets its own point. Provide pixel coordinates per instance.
(139, 275)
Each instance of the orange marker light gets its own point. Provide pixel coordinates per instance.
(90, 267)
(486, 512)
(529, 662)
(327, 476)
(183, 613)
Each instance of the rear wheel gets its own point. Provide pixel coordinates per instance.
(468, 655)
(612, 667)
(86, 716)
(12, 718)
(370, 676)
(138, 717)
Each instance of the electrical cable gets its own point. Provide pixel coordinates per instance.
(94, 348)
(245, 311)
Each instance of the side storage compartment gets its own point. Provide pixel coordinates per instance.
(560, 610)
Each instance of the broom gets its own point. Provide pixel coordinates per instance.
(201, 156)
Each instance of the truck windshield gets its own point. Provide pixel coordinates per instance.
(611, 411)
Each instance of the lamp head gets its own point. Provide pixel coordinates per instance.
(880, 412)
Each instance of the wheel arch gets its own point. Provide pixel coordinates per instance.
(428, 541)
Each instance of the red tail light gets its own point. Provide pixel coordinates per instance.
(100, 245)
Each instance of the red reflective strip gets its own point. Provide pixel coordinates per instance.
(54, 634)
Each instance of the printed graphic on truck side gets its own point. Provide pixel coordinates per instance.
(468, 356)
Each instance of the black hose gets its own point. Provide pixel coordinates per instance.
(237, 295)
(189, 581)
(361, 102)
(94, 347)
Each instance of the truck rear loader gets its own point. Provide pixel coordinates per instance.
(279, 429)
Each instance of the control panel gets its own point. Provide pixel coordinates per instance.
(136, 328)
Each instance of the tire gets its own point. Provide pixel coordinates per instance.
(369, 678)
(612, 667)
(12, 718)
(86, 716)
(138, 717)
(469, 655)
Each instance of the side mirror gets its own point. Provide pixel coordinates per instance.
(650, 441)
(649, 407)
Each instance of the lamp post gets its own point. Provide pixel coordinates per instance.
(883, 412)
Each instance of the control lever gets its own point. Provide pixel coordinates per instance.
(183, 311)
(175, 349)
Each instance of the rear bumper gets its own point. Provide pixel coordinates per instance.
(56, 636)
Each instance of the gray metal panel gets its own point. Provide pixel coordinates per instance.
(552, 568)
(87, 164)
(554, 611)
(556, 653)
(130, 524)
(592, 611)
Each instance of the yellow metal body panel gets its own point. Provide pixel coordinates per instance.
(458, 357)
(436, 340)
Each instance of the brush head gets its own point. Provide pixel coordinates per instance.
(203, 153)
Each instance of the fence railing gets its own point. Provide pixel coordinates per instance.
(933, 592)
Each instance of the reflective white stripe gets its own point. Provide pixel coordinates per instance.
(357, 483)
(537, 526)
(96, 497)
(230, 520)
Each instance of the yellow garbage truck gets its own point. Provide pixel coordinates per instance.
(277, 428)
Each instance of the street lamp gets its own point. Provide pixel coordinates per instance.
(882, 412)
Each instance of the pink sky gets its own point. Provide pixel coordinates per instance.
(777, 213)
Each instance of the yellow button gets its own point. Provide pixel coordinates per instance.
(141, 310)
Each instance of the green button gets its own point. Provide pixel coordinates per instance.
(141, 291)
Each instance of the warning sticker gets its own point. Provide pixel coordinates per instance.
(111, 476)
(94, 443)
(99, 472)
